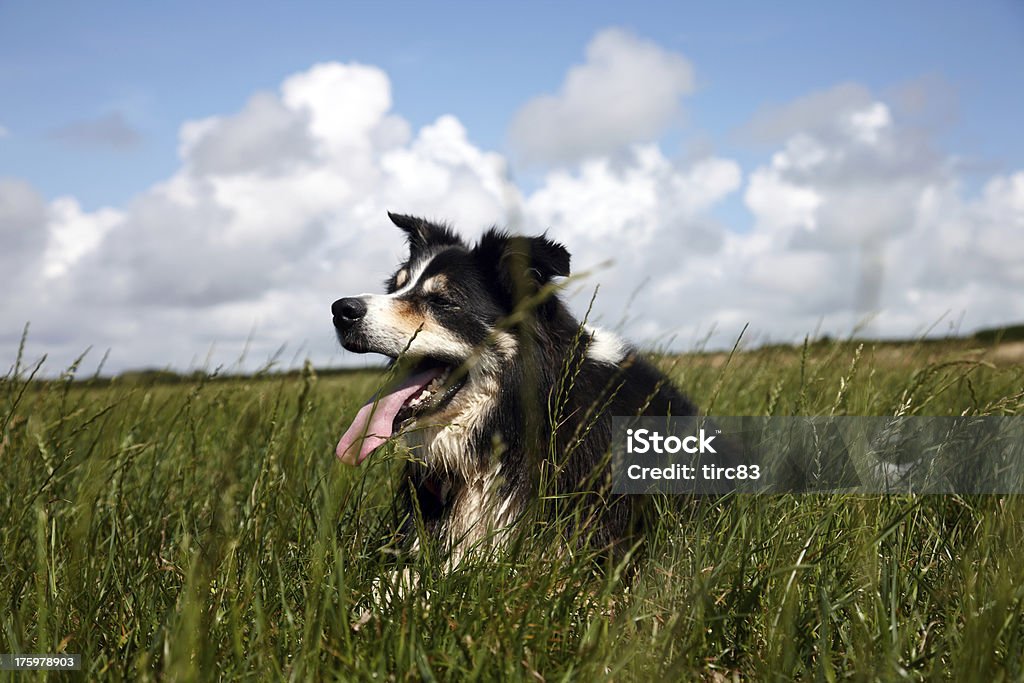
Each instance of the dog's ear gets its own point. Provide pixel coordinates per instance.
(522, 265)
(423, 234)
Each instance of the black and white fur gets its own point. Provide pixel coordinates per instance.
(529, 394)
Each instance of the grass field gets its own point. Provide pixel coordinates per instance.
(202, 529)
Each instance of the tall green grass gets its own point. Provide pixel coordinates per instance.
(203, 530)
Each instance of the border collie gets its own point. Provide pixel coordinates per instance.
(504, 399)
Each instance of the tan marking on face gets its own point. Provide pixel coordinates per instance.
(401, 278)
(415, 321)
(411, 317)
(434, 284)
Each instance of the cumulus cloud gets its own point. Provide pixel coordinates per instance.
(634, 222)
(73, 233)
(23, 237)
(869, 199)
(293, 187)
(23, 230)
(627, 91)
(265, 134)
(347, 103)
(819, 114)
(110, 131)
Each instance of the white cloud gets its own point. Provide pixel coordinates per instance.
(346, 103)
(869, 124)
(265, 134)
(780, 205)
(628, 209)
(22, 229)
(73, 233)
(633, 224)
(852, 176)
(880, 211)
(627, 91)
(821, 114)
(3, 132)
(956, 242)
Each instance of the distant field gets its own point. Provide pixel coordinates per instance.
(203, 529)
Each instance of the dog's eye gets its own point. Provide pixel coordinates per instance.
(443, 302)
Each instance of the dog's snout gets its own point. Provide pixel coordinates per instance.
(348, 310)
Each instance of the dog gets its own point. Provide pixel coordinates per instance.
(504, 399)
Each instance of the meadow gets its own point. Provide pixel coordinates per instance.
(200, 528)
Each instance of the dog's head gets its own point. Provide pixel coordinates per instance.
(442, 317)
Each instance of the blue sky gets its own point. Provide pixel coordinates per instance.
(159, 64)
(795, 166)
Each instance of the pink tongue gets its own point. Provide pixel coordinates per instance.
(375, 421)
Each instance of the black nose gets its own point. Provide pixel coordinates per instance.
(347, 311)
